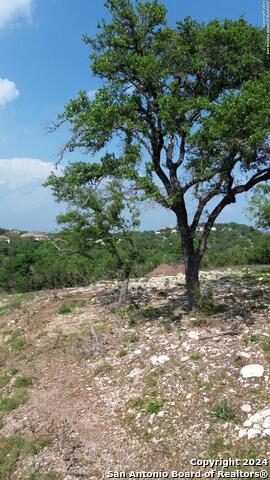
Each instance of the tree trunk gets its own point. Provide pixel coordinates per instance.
(192, 280)
(192, 261)
(123, 293)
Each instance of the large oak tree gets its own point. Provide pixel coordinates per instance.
(183, 114)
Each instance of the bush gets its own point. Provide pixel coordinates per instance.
(223, 411)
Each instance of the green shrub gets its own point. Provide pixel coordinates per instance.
(10, 403)
(266, 346)
(195, 356)
(103, 368)
(15, 340)
(223, 411)
(23, 381)
(151, 379)
(134, 339)
(11, 448)
(7, 376)
(122, 353)
(65, 309)
(154, 406)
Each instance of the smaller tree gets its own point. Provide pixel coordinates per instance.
(102, 212)
(259, 206)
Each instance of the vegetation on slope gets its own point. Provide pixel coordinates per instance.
(27, 265)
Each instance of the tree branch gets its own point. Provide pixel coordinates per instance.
(229, 198)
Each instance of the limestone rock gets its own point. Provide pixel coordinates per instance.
(193, 335)
(134, 373)
(159, 359)
(246, 408)
(253, 432)
(257, 424)
(252, 371)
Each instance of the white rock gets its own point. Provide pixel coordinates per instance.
(260, 416)
(194, 335)
(266, 423)
(252, 370)
(184, 359)
(160, 414)
(246, 408)
(267, 431)
(134, 373)
(242, 433)
(159, 359)
(186, 346)
(189, 395)
(244, 355)
(257, 426)
(248, 423)
(253, 432)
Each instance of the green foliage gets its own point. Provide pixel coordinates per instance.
(97, 215)
(231, 244)
(151, 379)
(65, 308)
(134, 339)
(27, 265)
(43, 476)
(7, 376)
(223, 411)
(11, 448)
(69, 307)
(151, 406)
(154, 406)
(189, 107)
(11, 403)
(15, 340)
(23, 381)
(196, 356)
(266, 346)
(259, 206)
(103, 368)
(123, 353)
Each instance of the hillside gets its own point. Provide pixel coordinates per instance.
(86, 390)
(27, 264)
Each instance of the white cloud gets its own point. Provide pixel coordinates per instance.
(8, 91)
(13, 9)
(25, 203)
(23, 172)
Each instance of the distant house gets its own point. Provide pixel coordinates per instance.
(38, 236)
(167, 227)
(201, 228)
(14, 232)
(4, 238)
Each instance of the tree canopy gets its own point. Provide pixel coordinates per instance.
(189, 108)
(259, 206)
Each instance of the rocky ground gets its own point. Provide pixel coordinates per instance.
(86, 390)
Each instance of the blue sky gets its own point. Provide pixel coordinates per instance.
(43, 64)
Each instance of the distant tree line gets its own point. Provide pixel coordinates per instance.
(28, 265)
